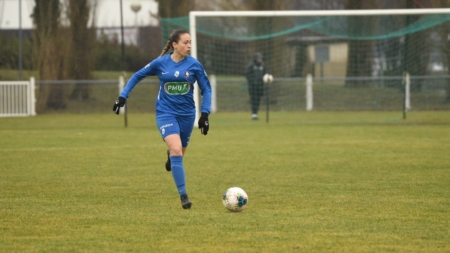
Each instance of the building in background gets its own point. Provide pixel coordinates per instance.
(107, 17)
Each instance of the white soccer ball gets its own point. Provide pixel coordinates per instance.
(235, 199)
(267, 78)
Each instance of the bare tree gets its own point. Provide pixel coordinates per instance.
(49, 54)
(445, 46)
(80, 43)
(360, 51)
(416, 48)
(174, 8)
(269, 46)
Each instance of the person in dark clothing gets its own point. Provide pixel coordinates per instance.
(254, 73)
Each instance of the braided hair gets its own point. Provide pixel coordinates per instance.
(174, 37)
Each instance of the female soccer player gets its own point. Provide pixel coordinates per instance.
(175, 107)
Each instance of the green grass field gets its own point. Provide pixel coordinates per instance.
(317, 182)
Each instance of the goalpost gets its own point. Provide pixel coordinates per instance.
(382, 58)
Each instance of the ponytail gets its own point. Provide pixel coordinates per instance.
(166, 48)
(174, 37)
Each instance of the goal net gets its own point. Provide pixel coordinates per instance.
(357, 60)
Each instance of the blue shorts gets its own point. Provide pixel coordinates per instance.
(171, 124)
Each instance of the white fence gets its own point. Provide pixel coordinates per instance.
(309, 85)
(17, 98)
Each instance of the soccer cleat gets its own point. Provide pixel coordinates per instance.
(254, 117)
(185, 202)
(168, 165)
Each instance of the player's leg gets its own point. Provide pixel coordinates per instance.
(173, 142)
(168, 164)
(186, 125)
(164, 121)
(254, 103)
(170, 131)
(257, 102)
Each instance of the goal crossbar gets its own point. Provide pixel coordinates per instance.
(320, 13)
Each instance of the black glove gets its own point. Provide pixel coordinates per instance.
(120, 102)
(203, 123)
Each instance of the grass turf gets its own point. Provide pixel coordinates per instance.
(320, 181)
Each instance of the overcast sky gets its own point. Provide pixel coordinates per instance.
(108, 13)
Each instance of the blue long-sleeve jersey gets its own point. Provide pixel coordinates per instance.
(176, 84)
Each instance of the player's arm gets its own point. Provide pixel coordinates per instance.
(149, 70)
(249, 73)
(205, 87)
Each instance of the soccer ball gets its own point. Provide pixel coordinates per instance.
(235, 199)
(267, 78)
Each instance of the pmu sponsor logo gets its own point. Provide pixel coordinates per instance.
(163, 128)
(177, 88)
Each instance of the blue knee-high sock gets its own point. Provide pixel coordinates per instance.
(178, 173)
